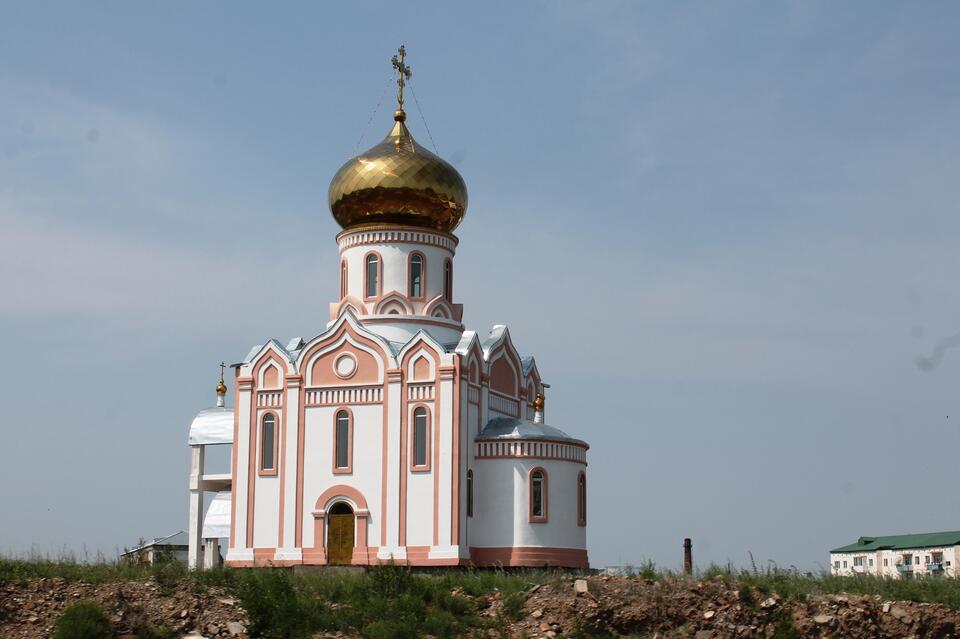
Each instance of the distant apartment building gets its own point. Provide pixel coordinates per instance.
(899, 556)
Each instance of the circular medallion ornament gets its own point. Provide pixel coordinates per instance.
(345, 366)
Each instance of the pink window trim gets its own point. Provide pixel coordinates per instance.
(543, 497)
(368, 298)
(423, 276)
(348, 469)
(268, 472)
(425, 468)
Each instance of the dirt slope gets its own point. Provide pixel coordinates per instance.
(617, 606)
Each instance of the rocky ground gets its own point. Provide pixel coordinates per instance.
(569, 607)
(715, 610)
(29, 610)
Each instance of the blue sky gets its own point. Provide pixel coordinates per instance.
(726, 230)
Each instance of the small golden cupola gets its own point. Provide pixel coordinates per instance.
(221, 387)
(398, 181)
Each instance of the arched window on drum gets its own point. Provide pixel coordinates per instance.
(538, 496)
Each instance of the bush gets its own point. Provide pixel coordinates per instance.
(84, 620)
(512, 606)
(275, 608)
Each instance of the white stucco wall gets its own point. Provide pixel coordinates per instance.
(500, 522)
(318, 473)
(266, 517)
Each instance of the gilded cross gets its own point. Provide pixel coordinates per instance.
(222, 366)
(403, 73)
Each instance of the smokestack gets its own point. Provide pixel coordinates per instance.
(687, 556)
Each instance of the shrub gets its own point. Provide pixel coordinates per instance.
(275, 608)
(512, 606)
(390, 580)
(84, 620)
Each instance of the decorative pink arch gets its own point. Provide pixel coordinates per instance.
(341, 490)
(361, 552)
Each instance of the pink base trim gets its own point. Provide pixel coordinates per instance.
(531, 557)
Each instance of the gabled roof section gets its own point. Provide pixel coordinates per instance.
(273, 344)
(902, 542)
(467, 341)
(528, 362)
(530, 369)
(427, 337)
(346, 317)
(499, 333)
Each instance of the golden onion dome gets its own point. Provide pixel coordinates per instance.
(398, 182)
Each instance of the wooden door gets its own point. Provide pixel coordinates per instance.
(340, 539)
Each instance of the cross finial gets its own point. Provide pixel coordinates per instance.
(403, 74)
(221, 386)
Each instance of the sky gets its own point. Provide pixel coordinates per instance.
(727, 230)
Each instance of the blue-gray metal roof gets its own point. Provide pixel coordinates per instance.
(512, 428)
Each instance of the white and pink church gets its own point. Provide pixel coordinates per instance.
(395, 434)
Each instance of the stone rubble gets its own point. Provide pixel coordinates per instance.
(671, 608)
(716, 609)
(30, 610)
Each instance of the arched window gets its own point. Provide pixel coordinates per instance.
(582, 499)
(538, 496)
(416, 275)
(268, 444)
(421, 439)
(343, 442)
(343, 279)
(448, 280)
(372, 288)
(469, 493)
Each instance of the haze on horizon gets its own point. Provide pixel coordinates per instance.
(727, 231)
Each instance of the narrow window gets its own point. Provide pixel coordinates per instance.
(836, 565)
(420, 437)
(886, 563)
(373, 275)
(268, 428)
(343, 279)
(582, 499)
(416, 275)
(538, 495)
(343, 440)
(469, 493)
(448, 280)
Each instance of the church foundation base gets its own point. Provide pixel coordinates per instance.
(419, 556)
(530, 557)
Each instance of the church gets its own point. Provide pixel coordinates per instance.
(395, 434)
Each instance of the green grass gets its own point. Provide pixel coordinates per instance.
(385, 602)
(799, 585)
(392, 602)
(83, 620)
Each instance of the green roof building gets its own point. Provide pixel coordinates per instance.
(903, 556)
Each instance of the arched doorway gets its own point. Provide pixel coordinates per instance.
(341, 525)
